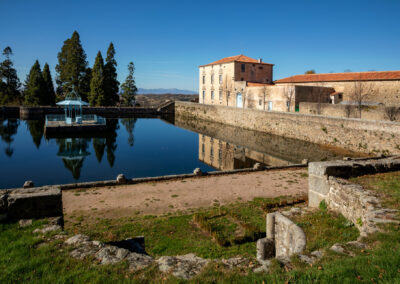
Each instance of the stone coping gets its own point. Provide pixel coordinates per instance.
(103, 183)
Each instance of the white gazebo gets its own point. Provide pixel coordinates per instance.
(73, 108)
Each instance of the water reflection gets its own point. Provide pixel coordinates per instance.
(226, 147)
(8, 128)
(73, 152)
(36, 129)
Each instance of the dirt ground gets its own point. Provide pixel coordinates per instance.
(168, 196)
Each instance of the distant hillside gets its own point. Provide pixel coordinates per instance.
(142, 91)
(154, 100)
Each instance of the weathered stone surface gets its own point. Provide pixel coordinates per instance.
(265, 249)
(185, 266)
(111, 254)
(25, 223)
(77, 240)
(341, 249)
(39, 202)
(139, 261)
(313, 258)
(289, 238)
(197, 172)
(121, 179)
(28, 184)
(84, 251)
(48, 229)
(264, 268)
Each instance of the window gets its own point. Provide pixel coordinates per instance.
(340, 96)
(243, 67)
(202, 148)
(229, 93)
(259, 102)
(260, 68)
(220, 95)
(241, 79)
(204, 95)
(220, 79)
(212, 95)
(269, 105)
(212, 78)
(204, 79)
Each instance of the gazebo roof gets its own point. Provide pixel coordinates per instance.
(72, 99)
(72, 103)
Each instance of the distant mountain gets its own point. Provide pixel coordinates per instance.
(142, 91)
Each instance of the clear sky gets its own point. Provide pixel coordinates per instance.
(168, 40)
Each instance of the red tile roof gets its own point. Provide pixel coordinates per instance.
(335, 77)
(237, 58)
(251, 84)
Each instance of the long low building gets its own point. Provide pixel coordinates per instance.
(380, 87)
(244, 82)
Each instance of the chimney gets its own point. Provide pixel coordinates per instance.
(259, 60)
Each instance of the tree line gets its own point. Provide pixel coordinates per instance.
(97, 85)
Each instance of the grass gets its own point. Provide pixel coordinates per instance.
(21, 260)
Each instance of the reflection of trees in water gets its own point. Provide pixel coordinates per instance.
(36, 128)
(8, 128)
(111, 140)
(129, 124)
(73, 152)
(99, 145)
(107, 144)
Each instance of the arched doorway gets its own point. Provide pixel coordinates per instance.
(239, 101)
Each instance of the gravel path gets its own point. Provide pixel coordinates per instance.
(168, 196)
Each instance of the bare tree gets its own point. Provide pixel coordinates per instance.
(391, 112)
(289, 95)
(348, 109)
(361, 92)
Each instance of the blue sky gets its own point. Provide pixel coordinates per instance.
(168, 40)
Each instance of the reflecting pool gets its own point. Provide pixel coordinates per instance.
(140, 147)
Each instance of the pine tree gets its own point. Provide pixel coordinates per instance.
(129, 87)
(9, 82)
(85, 84)
(97, 93)
(35, 88)
(71, 67)
(50, 95)
(111, 83)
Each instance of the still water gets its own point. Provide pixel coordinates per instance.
(138, 147)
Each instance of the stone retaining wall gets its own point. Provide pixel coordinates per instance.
(26, 112)
(326, 182)
(353, 134)
(27, 203)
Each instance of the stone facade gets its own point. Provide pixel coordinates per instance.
(385, 92)
(352, 134)
(351, 111)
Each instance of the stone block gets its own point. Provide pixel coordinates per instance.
(318, 184)
(289, 238)
(121, 179)
(265, 249)
(39, 202)
(270, 225)
(3, 206)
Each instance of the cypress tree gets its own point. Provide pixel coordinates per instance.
(129, 87)
(35, 88)
(111, 83)
(71, 67)
(9, 82)
(50, 95)
(97, 93)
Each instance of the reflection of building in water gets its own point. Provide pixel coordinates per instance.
(225, 156)
(73, 152)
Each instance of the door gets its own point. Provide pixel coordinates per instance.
(269, 105)
(239, 102)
